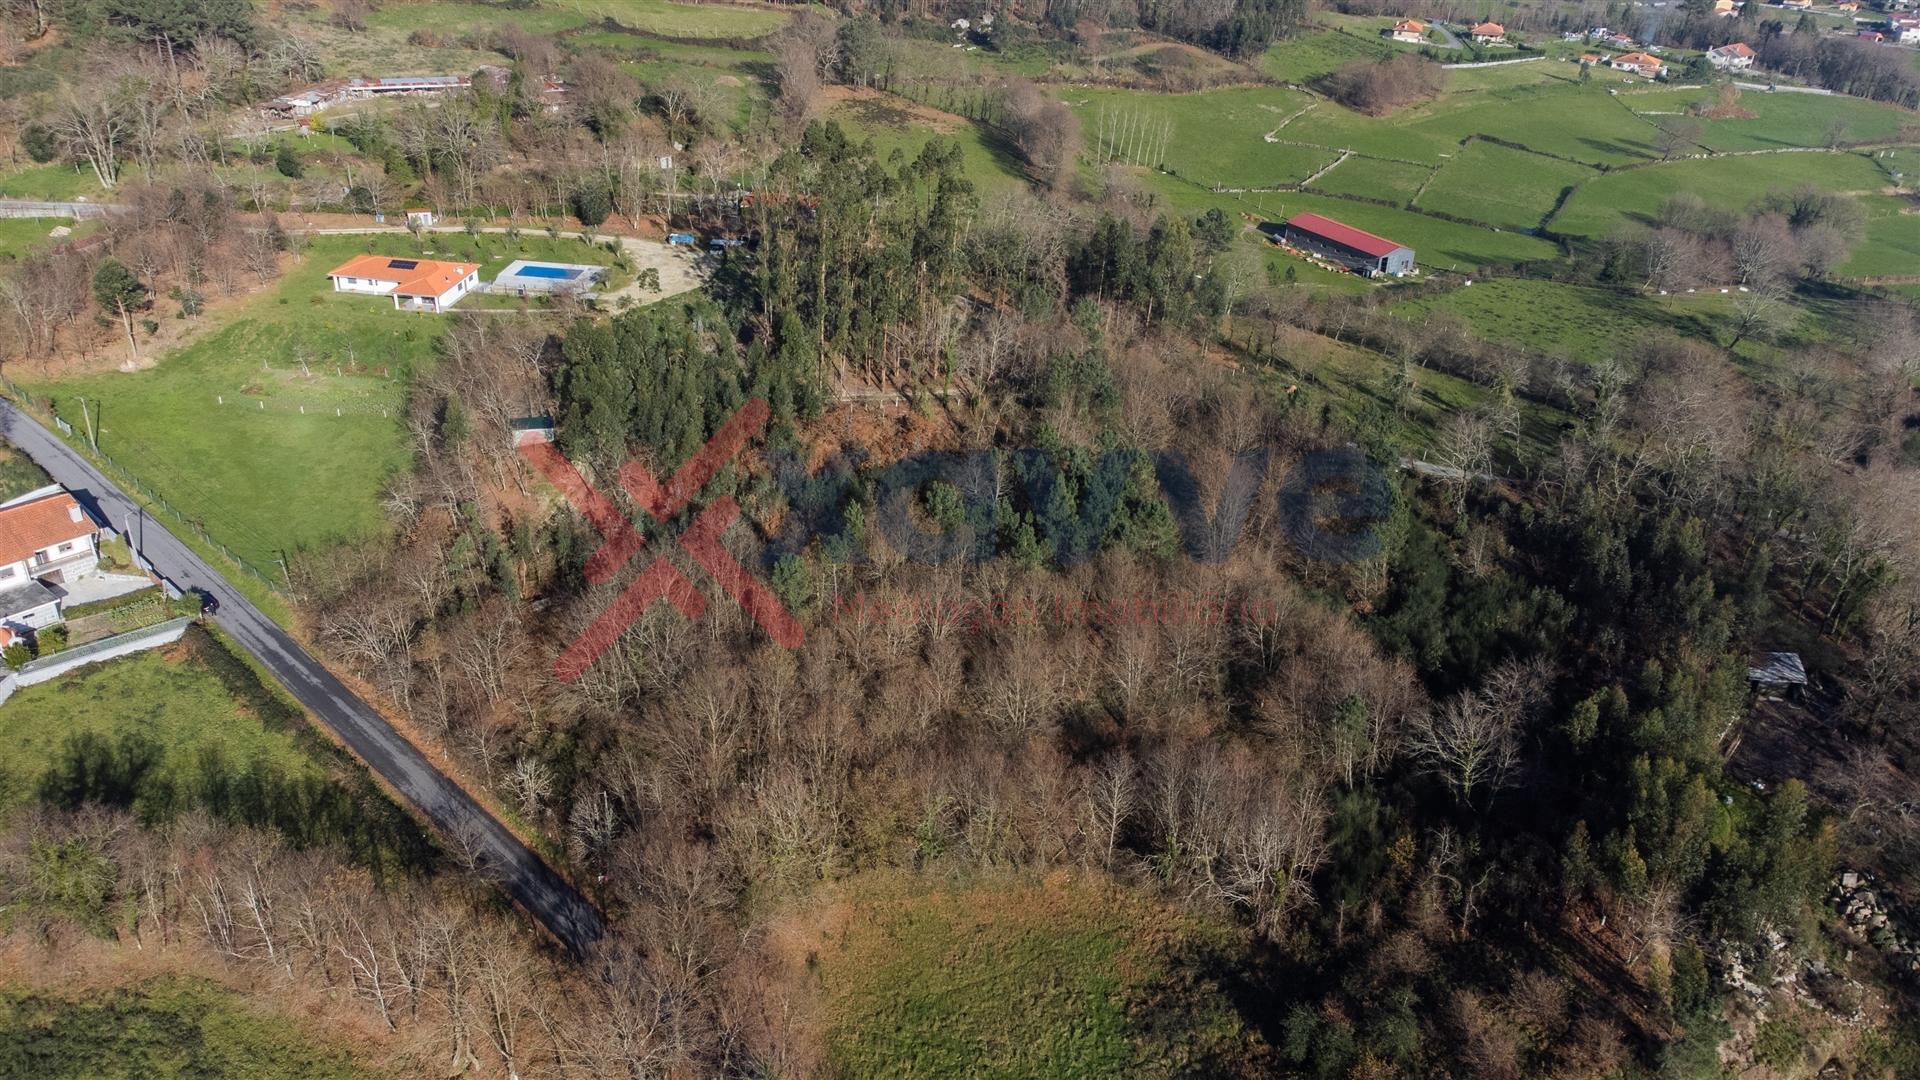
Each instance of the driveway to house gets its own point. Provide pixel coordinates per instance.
(679, 268)
(463, 822)
(1453, 40)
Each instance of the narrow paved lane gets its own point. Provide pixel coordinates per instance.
(524, 876)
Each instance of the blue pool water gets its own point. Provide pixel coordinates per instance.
(539, 271)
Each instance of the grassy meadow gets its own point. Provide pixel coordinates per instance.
(179, 697)
(277, 428)
(1373, 178)
(1504, 187)
(165, 1028)
(1061, 978)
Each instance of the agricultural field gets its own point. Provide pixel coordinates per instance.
(1779, 120)
(1373, 178)
(1577, 322)
(1437, 244)
(1504, 187)
(1021, 979)
(164, 1028)
(1582, 123)
(1214, 137)
(675, 20)
(277, 429)
(1302, 59)
(1606, 203)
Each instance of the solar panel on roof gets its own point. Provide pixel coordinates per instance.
(402, 264)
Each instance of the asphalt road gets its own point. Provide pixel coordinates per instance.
(502, 857)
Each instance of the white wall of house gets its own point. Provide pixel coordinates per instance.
(363, 285)
(71, 557)
(446, 299)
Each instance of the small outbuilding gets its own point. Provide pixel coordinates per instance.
(1355, 249)
(1778, 674)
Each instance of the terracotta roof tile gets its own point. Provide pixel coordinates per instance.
(42, 523)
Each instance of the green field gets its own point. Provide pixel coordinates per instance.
(1605, 204)
(1215, 137)
(277, 430)
(1436, 243)
(1577, 322)
(1307, 57)
(1506, 188)
(1578, 122)
(676, 20)
(1373, 178)
(1060, 979)
(452, 17)
(178, 697)
(21, 236)
(1779, 119)
(54, 182)
(988, 162)
(167, 1028)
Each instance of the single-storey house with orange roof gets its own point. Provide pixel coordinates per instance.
(1735, 57)
(1411, 31)
(1488, 32)
(1639, 63)
(414, 284)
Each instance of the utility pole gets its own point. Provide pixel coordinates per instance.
(88, 417)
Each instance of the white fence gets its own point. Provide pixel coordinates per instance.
(133, 641)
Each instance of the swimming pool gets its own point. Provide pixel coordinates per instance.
(525, 277)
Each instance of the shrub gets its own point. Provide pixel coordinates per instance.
(16, 655)
(285, 163)
(39, 143)
(592, 206)
(52, 639)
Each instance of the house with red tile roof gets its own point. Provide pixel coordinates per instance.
(1487, 33)
(1639, 63)
(1735, 57)
(414, 284)
(46, 539)
(1410, 31)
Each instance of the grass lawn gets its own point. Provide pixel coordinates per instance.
(1216, 137)
(22, 236)
(1436, 243)
(273, 468)
(54, 182)
(1355, 385)
(1024, 979)
(988, 161)
(18, 473)
(1602, 204)
(178, 696)
(1779, 120)
(1373, 178)
(452, 18)
(735, 91)
(674, 20)
(1309, 56)
(1567, 119)
(160, 1029)
(1507, 188)
(645, 46)
(1574, 321)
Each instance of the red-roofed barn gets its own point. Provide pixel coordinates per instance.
(1356, 249)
